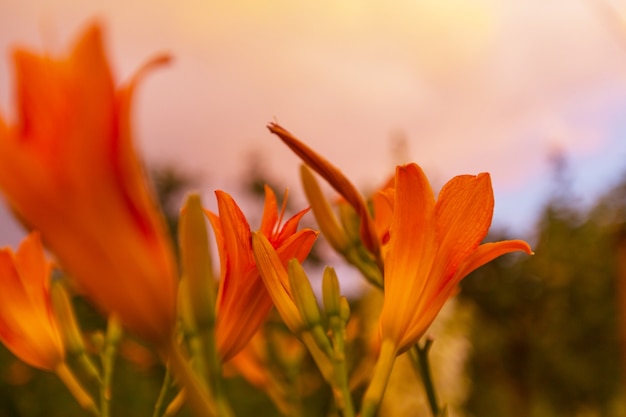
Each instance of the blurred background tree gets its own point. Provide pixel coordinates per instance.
(545, 337)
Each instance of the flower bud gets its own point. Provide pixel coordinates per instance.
(326, 220)
(196, 262)
(303, 295)
(330, 292)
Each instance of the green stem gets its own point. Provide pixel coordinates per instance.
(196, 393)
(359, 257)
(331, 364)
(159, 406)
(382, 371)
(109, 351)
(198, 353)
(214, 368)
(419, 357)
(342, 394)
(76, 389)
(319, 356)
(89, 367)
(175, 405)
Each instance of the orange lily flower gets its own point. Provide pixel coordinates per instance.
(69, 169)
(28, 327)
(432, 246)
(242, 300)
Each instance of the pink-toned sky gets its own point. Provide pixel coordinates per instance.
(471, 85)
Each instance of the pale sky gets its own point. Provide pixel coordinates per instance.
(472, 85)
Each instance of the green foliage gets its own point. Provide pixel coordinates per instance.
(545, 335)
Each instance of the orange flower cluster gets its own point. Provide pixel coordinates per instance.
(423, 247)
(70, 172)
(426, 246)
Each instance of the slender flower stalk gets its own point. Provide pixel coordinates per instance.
(378, 384)
(419, 358)
(68, 168)
(70, 330)
(334, 305)
(243, 300)
(76, 389)
(195, 393)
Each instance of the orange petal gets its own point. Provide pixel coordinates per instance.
(464, 211)
(30, 263)
(236, 233)
(298, 245)
(411, 240)
(486, 253)
(270, 212)
(243, 301)
(94, 105)
(237, 258)
(216, 225)
(383, 210)
(4, 129)
(291, 225)
(128, 172)
(411, 249)
(242, 314)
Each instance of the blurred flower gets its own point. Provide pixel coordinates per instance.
(28, 327)
(243, 301)
(432, 246)
(68, 168)
(276, 362)
(262, 360)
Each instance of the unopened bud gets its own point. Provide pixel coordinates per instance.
(330, 292)
(303, 295)
(323, 212)
(196, 262)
